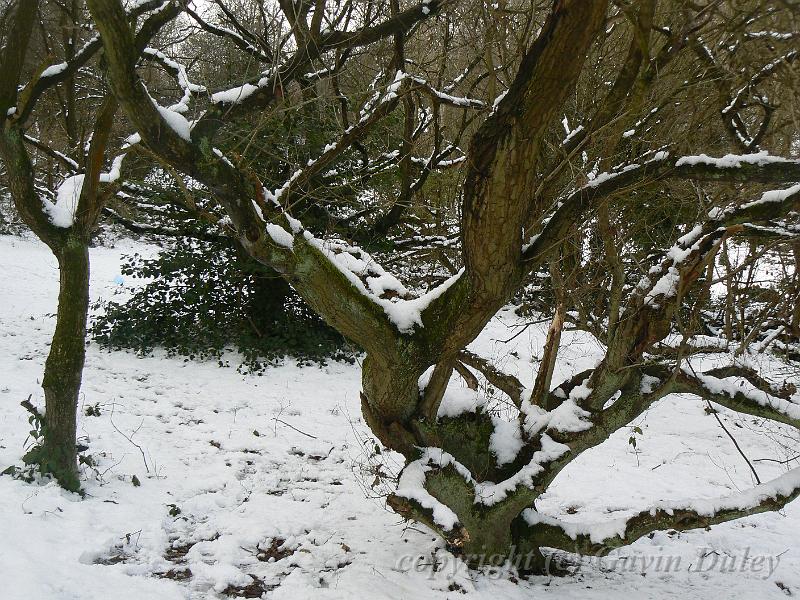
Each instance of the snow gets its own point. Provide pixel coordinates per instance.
(582, 391)
(62, 213)
(384, 283)
(498, 100)
(782, 486)
(682, 250)
(394, 87)
(457, 400)
(219, 153)
(571, 135)
(316, 494)
(732, 161)
(404, 314)
(487, 493)
(234, 95)
(407, 314)
(660, 155)
(280, 236)
(774, 196)
(731, 386)
(606, 176)
(649, 383)
(411, 485)
(719, 213)
(536, 418)
(295, 225)
(116, 169)
(177, 122)
(568, 416)
(597, 532)
(666, 286)
(454, 100)
(54, 70)
(506, 440)
(240, 93)
(179, 72)
(776, 35)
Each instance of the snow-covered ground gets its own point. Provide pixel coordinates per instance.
(271, 482)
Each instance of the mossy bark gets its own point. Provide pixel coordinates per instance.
(64, 367)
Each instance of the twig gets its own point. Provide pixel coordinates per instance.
(775, 460)
(735, 443)
(277, 420)
(130, 439)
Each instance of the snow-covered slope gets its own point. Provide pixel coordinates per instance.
(271, 483)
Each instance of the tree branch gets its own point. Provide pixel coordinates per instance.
(541, 531)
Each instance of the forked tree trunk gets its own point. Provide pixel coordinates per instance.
(64, 367)
(508, 184)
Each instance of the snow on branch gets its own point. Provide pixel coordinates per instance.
(786, 233)
(63, 212)
(364, 273)
(667, 284)
(60, 72)
(412, 481)
(741, 96)
(379, 286)
(757, 168)
(240, 93)
(375, 110)
(680, 515)
(738, 393)
(772, 35)
(443, 97)
(59, 156)
(225, 32)
(767, 203)
(178, 71)
(251, 95)
(733, 161)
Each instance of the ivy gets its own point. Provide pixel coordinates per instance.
(202, 298)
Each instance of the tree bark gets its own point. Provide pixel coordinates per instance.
(64, 367)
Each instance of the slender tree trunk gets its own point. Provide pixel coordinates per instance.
(795, 317)
(64, 366)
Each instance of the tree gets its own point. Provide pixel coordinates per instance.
(528, 193)
(77, 141)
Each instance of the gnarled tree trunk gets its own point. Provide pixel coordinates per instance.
(516, 210)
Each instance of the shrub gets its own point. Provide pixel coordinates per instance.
(204, 297)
